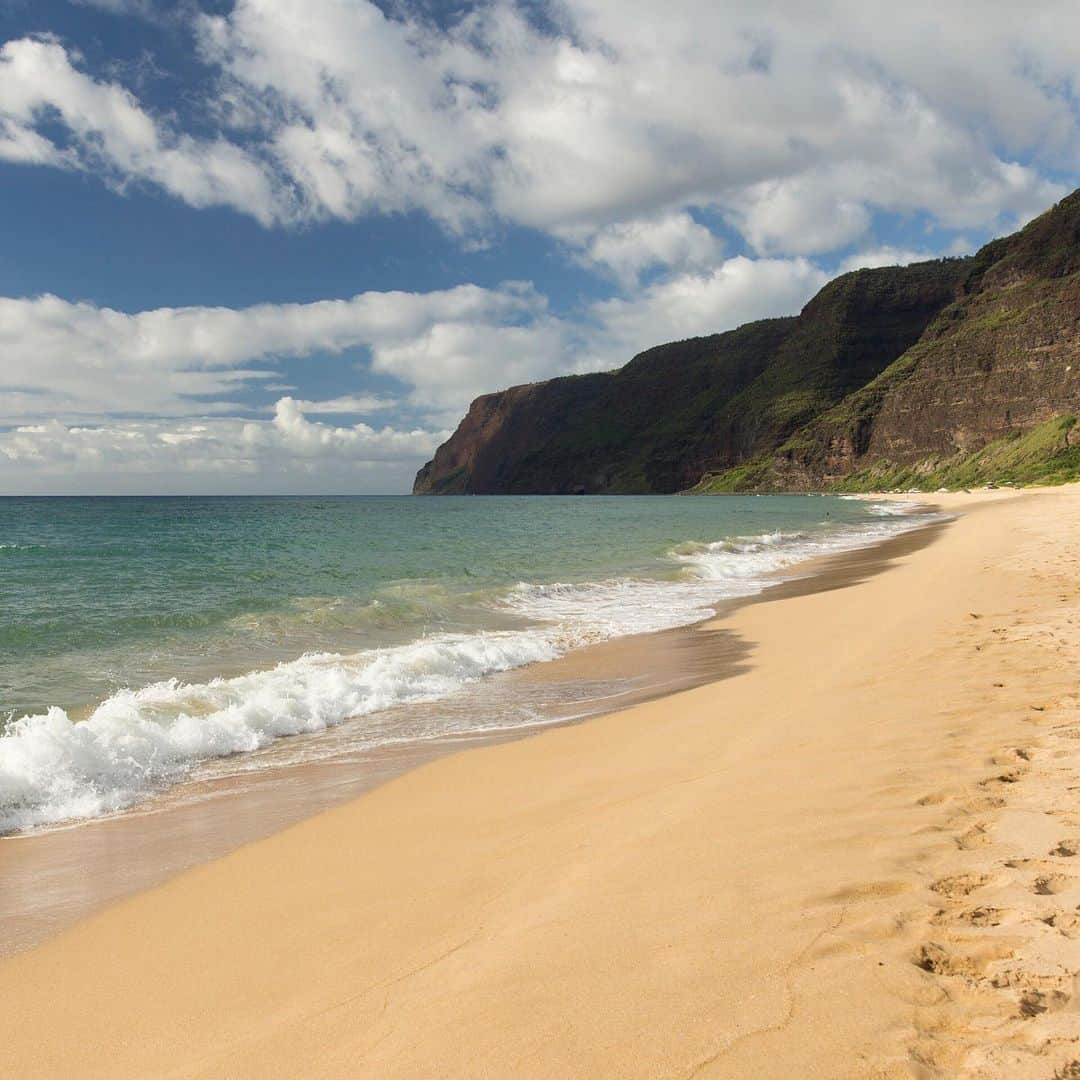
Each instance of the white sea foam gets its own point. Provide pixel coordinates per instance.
(895, 507)
(711, 572)
(597, 610)
(53, 769)
(752, 557)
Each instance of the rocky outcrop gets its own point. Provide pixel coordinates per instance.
(1002, 359)
(679, 410)
(887, 377)
(646, 427)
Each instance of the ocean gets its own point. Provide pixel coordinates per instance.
(146, 642)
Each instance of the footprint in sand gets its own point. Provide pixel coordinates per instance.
(1051, 884)
(1038, 993)
(1034, 1002)
(976, 916)
(974, 837)
(1011, 776)
(981, 804)
(1066, 923)
(1011, 757)
(935, 798)
(939, 959)
(959, 885)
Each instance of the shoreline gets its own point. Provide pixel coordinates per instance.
(59, 875)
(850, 858)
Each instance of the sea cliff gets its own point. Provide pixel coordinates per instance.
(934, 374)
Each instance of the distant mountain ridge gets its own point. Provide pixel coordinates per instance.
(945, 372)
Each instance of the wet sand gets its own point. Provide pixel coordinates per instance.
(52, 878)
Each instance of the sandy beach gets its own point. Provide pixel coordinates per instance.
(853, 857)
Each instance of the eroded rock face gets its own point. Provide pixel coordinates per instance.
(1000, 359)
(678, 410)
(883, 369)
(1010, 363)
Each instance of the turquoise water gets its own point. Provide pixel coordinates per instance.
(140, 636)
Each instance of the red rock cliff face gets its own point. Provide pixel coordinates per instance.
(493, 431)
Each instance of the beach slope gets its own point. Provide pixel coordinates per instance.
(857, 856)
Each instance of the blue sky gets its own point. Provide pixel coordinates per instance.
(279, 245)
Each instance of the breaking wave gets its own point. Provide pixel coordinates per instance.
(53, 768)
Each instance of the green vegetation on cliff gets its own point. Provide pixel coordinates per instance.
(658, 423)
(1046, 454)
(945, 373)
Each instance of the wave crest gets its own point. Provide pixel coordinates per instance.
(53, 769)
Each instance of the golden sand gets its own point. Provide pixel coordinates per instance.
(853, 858)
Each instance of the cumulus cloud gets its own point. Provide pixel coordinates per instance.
(290, 451)
(119, 7)
(66, 359)
(111, 134)
(449, 364)
(362, 113)
(293, 432)
(74, 361)
(799, 215)
(796, 126)
(605, 123)
(348, 403)
(628, 249)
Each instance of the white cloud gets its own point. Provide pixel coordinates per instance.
(823, 119)
(23, 146)
(607, 126)
(120, 7)
(64, 359)
(361, 112)
(75, 374)
(627, 249)
(292, 432)
(288, 452)
(798, 215)
(349, 403)
(112, 135)
(449, 364)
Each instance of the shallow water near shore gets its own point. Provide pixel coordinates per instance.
(146, 640)
(53, 877)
